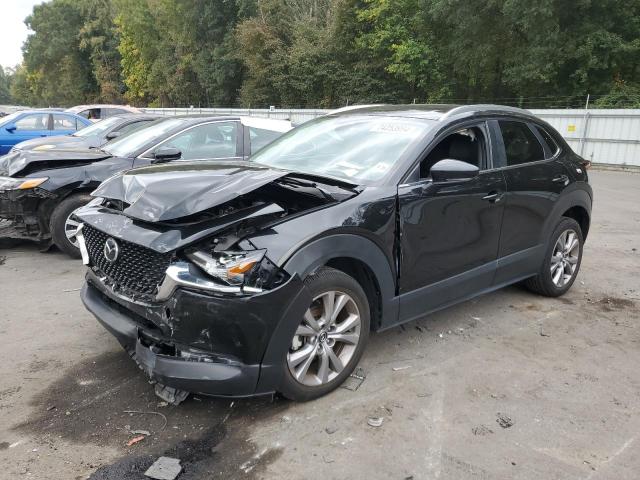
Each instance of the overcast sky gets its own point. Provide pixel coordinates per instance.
(13, 31)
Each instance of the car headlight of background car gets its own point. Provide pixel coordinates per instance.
(8, 183)
(250, 268)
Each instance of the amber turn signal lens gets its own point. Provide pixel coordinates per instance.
(242, 267)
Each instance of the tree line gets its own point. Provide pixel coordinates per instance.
(328, 53)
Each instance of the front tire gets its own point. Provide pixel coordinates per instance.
(63, 228)
(561, 262)
(330, 338)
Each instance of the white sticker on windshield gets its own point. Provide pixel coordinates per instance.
(381, 167)
(392, 127)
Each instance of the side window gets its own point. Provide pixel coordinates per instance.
(64, 122)
(551, 143)
(212, 140)
(467, 145)
(125, 129)
(36, 121)
(110, 112)
(261, 137)
(91, 113)
(520, 143)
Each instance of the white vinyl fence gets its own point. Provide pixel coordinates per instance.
(602, 136)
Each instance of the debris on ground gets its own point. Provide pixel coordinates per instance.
(285, 419)
(504, 420)
(164, 468)
(250, 464)
(420, 329)
(50, 407)
(355, 380)
(396, 369)
(146, 433)
(72, 290)
(375, 421)
(423, 395)
(481, 430)
(140, 412)
(135, 440)
(331, 430)
(170, 395)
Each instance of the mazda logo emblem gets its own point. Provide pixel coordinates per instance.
(111, 250)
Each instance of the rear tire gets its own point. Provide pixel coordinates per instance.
(60, 223)
(330, 339)
(561, 261)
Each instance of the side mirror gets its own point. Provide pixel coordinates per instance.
(10, 128)
(166, 154)
(112, 135)
(449, 170)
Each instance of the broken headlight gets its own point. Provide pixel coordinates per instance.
(249, 269)
(229, 267)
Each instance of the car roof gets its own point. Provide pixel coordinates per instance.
(439, 112)
(79, 108)
(257, 122)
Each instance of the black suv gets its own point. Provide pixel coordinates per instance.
(248, 278)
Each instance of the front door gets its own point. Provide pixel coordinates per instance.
(449, 232)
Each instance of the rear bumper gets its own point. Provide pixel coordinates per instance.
(213, 345)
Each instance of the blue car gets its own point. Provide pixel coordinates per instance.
(28, 124)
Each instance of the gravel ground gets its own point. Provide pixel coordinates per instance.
(509, 385)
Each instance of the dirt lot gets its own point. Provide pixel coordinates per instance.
(509, 385)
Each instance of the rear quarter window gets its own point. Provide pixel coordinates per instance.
(520, 144)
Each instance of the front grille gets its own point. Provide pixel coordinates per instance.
(136, 270)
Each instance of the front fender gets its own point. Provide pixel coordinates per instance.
(345, 245)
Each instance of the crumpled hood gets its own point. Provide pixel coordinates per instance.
(14, 163)
(50, 143)
(165, 192)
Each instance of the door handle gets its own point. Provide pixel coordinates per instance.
(493, 197)
(561, 179)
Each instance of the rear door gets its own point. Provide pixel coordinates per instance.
(64, 124)
(535, 179)
(449, 232)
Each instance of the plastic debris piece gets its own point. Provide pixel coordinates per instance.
(355, 380)
(164, 468)
(135, 440)
(141, 432)
(375, 421)
(396, 369)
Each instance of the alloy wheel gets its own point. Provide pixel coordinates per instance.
(71, 231)
(326, 339)
(564, 258)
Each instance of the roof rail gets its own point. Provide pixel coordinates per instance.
(484, 108)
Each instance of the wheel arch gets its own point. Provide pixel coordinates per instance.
(358, 257)
(574, 204)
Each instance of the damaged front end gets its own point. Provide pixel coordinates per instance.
(190, 297)
(21, 205)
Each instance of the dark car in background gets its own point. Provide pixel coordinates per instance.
(28, 124)
(247, 278)
(95, 135)
(39, 189)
